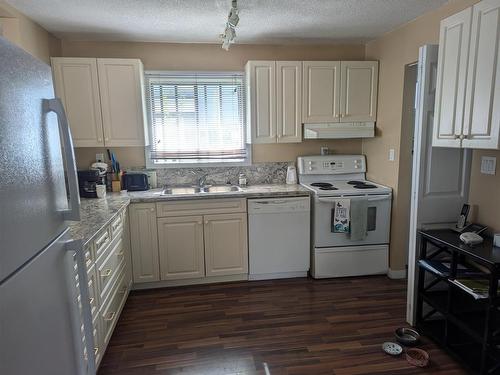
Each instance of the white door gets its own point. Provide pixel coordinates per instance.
(440, 181)
(482, 108)
(321, 96)
(144, 242)
(451, 78)
(261, 96)
(289, 101)
(180, 241)
(358, 92)
(226, 244)
(122, 102)
(76, 83)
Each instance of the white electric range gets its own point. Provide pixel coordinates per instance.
(341, 179)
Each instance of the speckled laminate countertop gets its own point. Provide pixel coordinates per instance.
(97, 213)
(253, 191)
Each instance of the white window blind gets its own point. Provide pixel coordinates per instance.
(196, 117)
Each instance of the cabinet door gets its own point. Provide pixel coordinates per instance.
(76, 83)
(358, 95)
(181, 247)
(261, 96)
(482, 108)
(226, 245)
(321, 91)
(144, 242)
(289, 101)
(121, 85)
(451, 76)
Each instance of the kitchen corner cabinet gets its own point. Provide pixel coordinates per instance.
(467, 107)
(274, 95)
(103, 99)
(144, 242)
(226, 248)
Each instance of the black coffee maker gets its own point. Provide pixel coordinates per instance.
(87, 181)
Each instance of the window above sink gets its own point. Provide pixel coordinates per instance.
(196, 118)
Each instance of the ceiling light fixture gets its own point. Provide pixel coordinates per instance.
(232, 21)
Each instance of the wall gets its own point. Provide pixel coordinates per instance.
(394, 50)
(484, 193)
(173, 56)
(27, 34)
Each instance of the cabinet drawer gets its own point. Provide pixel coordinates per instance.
(201, 207)
(117, 225)
(111, 312)
(101, 242)
(93, 293)
(109, 268)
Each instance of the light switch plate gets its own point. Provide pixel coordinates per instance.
(488, 165)
(392, 154)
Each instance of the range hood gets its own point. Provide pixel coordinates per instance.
(338, 130)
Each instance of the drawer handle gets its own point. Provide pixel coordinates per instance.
(110, 316)
(96, 350)
(116, 224)
(102, 240)
(120, 254)
(91, 300)
(124, 290)
(107, 273)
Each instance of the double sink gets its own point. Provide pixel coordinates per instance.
(206, 189)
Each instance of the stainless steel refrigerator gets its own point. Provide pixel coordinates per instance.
(43, 330)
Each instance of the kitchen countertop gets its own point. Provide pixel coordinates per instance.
(252, 191)
(97, 213)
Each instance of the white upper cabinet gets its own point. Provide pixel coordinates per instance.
(76, 83)
(103, 99)
(451, 79)
(121, 87)
(289, 101)
(467, 110)
(482, 100)
(321, 97)
(358, 94)
(261, 96)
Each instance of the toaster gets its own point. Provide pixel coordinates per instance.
(135, 181)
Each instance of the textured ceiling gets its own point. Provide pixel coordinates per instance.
(261, 21)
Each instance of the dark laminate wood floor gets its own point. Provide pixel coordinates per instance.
(295, 326)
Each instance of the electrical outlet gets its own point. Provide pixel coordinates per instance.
(488, 165)
(324, 150)
(392, 154)
(99, 157)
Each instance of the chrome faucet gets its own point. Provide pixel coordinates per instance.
(202, 180)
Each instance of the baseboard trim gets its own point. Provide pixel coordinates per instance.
(396, 274)
(182, 282)
(278, 275)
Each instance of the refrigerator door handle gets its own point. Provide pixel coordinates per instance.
(55, 105)
(76, 246)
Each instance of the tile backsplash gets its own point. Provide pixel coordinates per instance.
(260, 173)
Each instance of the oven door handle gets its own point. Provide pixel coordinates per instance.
(374, 199)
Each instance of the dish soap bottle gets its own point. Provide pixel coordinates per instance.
(242, 180)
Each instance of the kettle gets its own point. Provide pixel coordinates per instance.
(291, 175)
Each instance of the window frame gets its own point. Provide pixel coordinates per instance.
(147, 150)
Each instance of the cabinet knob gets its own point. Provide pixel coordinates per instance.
(462, 136)
(152, 209)
(206, 221)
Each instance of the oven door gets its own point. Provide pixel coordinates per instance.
(378, 222)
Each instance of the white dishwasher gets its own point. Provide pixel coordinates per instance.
(279, 237)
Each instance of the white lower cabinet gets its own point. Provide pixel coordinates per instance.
(226, 245)
(109, 280)
(191, 241)
(144, 242)
(180, 241)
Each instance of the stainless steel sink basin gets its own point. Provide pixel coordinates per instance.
(221, 188)
(208, 189)
(180, 190)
